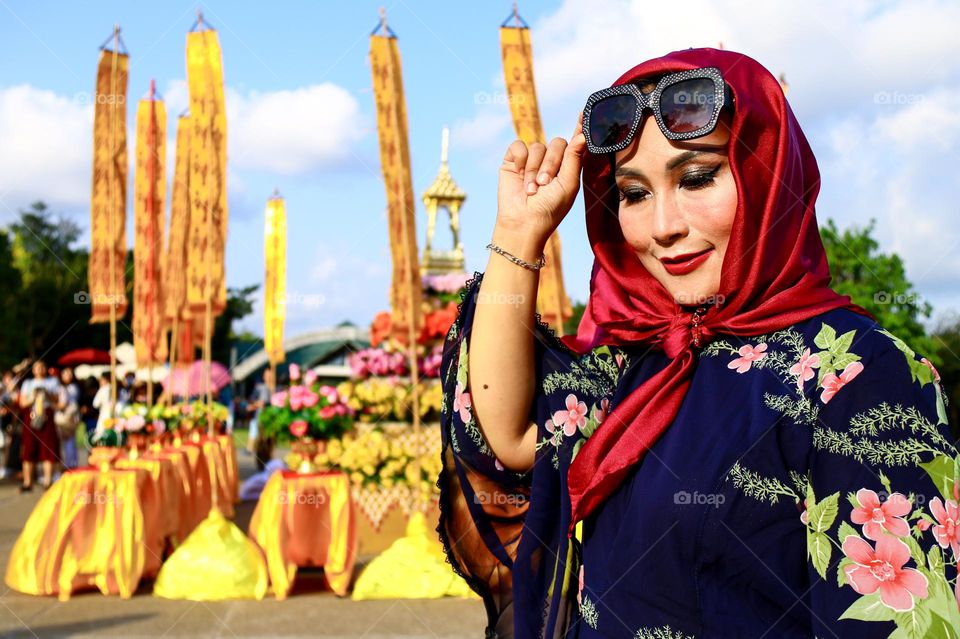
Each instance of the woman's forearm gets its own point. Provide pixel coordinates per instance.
(501, 350)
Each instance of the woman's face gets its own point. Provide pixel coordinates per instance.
(678, 198)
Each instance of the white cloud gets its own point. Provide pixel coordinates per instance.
(294, 131)
(46, 143)
(46, 139)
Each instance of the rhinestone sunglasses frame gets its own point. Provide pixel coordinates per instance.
(722, 95)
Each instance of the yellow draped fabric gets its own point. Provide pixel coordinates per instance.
(413, 567)
(306, 520)
(161, 507)
(206, 279)
(108, 206)
(216, 562)
(552, 301)
(175, 258)
(201, 486)
(406, 291)
(275, 278)
(222, 492)
(149, 192)
(232, 476)
(86, 531)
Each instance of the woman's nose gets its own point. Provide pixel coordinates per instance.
(668, 223)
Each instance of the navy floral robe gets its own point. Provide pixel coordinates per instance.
(808, 487)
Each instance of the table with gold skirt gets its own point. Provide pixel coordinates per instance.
(306, 519)
(109, 524)
(87, 530)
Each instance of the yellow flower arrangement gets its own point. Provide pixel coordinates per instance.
(375, 458)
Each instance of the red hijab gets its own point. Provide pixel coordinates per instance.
(774, 271)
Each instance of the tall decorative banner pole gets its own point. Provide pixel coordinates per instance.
(275, 280)
(175, 266)
(150, 185)
(108, 207)
(206, 281)
(407, 289)
(552, 301)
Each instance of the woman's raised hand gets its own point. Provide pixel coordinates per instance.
(538, 184)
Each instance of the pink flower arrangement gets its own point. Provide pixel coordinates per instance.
(882, 569)
(430, 365)
(133, 424)
(298, 428)
(279, 399)
(378, 362)
(294, 370)
(446, 283)
(302, 397)
(748, 355)
(876, 517)
(832, 383)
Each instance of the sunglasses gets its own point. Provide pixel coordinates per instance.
(685, 105)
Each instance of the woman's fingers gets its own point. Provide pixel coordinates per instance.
(534, 159)
(551, 161)
(515, 159)
(569, 173)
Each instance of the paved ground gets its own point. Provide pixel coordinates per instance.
(310, 611)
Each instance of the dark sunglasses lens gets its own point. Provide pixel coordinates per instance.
(688, 105)
(611, 119)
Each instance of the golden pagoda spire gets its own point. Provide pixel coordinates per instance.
(443, 193)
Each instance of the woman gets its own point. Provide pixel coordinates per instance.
(40, 397)
(727, 447)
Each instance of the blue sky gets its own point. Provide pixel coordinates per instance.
(873, 84)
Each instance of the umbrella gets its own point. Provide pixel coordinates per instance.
(84, 356)
(191, 381)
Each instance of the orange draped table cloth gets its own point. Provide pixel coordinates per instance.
(306, 519)
(109, 526)
(86, 531)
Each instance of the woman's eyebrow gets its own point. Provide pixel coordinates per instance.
(686, 156)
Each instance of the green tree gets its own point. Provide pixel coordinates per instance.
(946, 337)
(239, 305)
(13, 337)
(877, 281)
(573, 322)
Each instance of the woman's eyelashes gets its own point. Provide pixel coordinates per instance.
(691, 180)
(699, 178)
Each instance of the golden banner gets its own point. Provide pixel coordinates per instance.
(108, 206)
(406, 291)
(275, 280)
(175, 267)
(206, 279)
(552, 301)
(149, 193)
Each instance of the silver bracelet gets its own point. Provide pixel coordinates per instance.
(516, 260)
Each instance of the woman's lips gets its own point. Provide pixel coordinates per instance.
(688, 265)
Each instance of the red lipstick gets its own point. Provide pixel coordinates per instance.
(686, 263)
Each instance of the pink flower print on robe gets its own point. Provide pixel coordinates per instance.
(876, 517)
(882, 569)
(804, 368)
(832, 383)
(574, 416)
(748, 355)
(947, 529)
(602, 411)
(462, 403)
